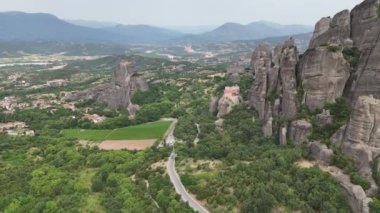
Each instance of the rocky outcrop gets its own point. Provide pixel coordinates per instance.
(321, 152)
(364, 125)
(118, 93)
(234, 71)
(357, 198)
(213, 105)
(323, 74)
(283, 136)
(332, 32)
(324, 118)
(338, 136)
(365, 34)
(299, 131)
(261, 64)
(288, 63)
(274, 93)
(362, 136)
(230, 98)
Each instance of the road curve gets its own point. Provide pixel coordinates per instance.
(180, 188)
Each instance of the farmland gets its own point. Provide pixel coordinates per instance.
(154, 130)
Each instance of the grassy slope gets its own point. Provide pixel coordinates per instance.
(153, 130)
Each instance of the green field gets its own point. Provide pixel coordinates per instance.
(154, 130)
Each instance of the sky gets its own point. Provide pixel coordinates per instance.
(185, 12)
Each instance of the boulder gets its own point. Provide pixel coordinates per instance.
(324, 118)
(219, 124)
(338, 136)
(283, 136)
(299, 131)
(321, 152)
(213, 105)
(323, 74)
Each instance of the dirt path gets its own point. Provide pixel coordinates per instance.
(126, 144)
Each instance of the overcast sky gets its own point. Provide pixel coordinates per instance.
(185, 12)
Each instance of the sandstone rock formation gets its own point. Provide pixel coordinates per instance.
(288, 63)
(283, 136)
(362, 136)
(321, 152)
(299, 131)
(335, 31)
(213, 105)
(234, 71)
(324, 118)
(261, 64)
(323, 74)
(338, 136)
(357, 198)
(230, 98)
(274, 91)
(118, 93)
(365, 33)
(364, 125)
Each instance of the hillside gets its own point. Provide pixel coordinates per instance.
(144, 33)
(252, 31)
(34, 27)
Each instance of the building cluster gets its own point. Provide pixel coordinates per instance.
(16, 129)
(57, 82)
(10, 104)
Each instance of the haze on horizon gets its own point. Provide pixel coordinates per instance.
(185, 13)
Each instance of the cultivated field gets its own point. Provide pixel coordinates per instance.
(137, 137)
(154, 130)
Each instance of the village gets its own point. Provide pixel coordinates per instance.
(50, 102)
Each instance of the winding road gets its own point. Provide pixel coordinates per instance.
(179, 187)
(174, 177)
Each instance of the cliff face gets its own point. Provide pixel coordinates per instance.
(332, 31)
(274, 93)
(365, 34)
(323, 74)
(364, 125)
(118, 93)
(361, 140)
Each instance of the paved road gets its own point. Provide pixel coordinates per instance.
(180, 188)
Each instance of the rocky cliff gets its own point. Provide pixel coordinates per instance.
(274, 93)
(342, 61)
(117, 93)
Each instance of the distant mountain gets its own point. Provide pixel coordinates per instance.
(19, 26)
(46, 27)
(252, 31)
(36, 27)
(144, 33)
(193, 29)
(92, 24)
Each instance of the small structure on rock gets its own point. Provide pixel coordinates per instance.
(231, 97)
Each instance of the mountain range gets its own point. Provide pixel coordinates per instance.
(19, 26)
